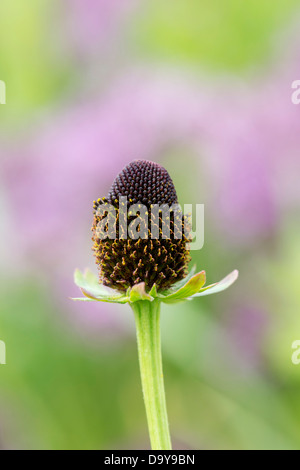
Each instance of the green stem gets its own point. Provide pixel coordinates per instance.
(147, 319)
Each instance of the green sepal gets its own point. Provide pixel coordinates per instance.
(191, 287)
(138, 292)
(186, 289)
(218, 286)
(153, 291)
(93, 291)
(183, 281)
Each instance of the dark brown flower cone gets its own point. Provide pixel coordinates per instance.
(126, 262)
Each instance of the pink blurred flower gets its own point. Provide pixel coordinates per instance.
(90, 23)
(246, 331)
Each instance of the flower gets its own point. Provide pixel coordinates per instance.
(126, 262)
(143, 267)
(144, 273)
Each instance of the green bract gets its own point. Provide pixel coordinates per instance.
(190, 287)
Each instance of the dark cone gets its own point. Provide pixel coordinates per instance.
(124, 263)
(144, 182)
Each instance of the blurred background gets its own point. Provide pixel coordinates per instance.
(203, 88)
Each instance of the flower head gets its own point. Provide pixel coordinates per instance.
(149, 264)
(160, 259)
